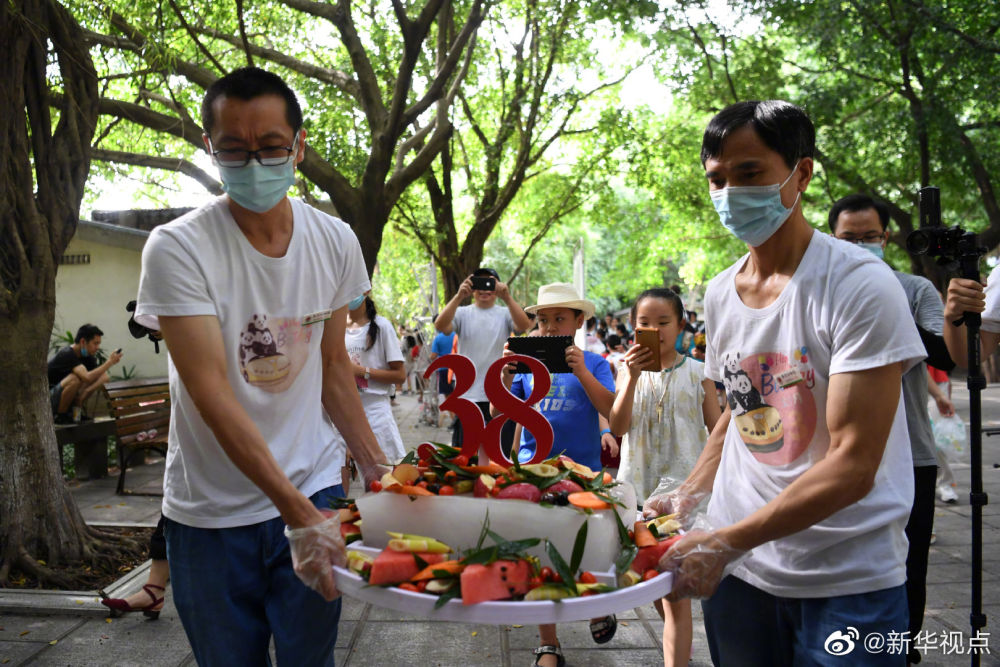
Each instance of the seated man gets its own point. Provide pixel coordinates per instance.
(74, 374)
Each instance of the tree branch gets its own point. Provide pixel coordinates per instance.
(445, 71)
(340, 16)
(334, 77)
(243, 32)
(194, 37)
(170, 164)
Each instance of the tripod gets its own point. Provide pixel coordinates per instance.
(955, 248)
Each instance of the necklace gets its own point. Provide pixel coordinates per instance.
(666, 388)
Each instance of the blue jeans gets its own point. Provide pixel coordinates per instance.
(234, 588)
(747, 626)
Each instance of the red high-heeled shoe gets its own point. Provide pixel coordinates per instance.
(121, 606)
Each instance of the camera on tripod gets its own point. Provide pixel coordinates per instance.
(948, 245)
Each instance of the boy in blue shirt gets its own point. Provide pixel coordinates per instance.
(575, 403)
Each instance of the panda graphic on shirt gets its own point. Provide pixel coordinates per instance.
(758, 423)
(273, 350)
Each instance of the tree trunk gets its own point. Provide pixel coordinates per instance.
(41, 185)
(38, 517)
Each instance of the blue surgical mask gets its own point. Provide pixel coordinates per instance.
(753, 213)
(83, 351)
(256, 187)
(356, 302)
(874, 248)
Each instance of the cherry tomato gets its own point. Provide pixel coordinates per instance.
(650, 574)
(407, 586)
(450, 475)
(422, 484)
(461, 460)
(547, 573)
(587, 578)
(556, 579)
(535, 582)
(375, 486)
(495, 491)
(423, 463)
(446, 490)
(422, 585)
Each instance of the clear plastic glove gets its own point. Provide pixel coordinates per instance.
(669, 497)
(373, 473)
(699, 561)
(315, 550)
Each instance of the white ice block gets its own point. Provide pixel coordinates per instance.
(458, 520)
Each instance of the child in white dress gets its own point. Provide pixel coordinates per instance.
(665, 417)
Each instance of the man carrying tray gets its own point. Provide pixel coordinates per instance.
(809, 468)
(250, 292)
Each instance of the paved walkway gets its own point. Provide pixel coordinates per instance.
(73, 630)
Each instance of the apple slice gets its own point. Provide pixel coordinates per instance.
(406, 473)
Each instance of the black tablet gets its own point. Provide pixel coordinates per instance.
(550, 350)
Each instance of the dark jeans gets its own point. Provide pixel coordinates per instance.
(506, 434)
(748, 627)
(918, 531)
(234, 588)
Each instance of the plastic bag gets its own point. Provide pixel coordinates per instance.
(950, 437)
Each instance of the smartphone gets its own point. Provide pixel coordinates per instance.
(484, 283)
(649, 337)
(118, 351)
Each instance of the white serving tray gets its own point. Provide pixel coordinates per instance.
(504, 612)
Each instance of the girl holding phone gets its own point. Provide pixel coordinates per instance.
(665, 416)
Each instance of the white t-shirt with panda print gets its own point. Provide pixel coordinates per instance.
(270, 310)
(842, 311)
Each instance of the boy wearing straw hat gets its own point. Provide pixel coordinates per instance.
(576, 406)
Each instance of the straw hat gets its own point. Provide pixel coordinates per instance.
(561, 295)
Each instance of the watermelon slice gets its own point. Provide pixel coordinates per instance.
(497, 581)
(649, 557)
(393, 567)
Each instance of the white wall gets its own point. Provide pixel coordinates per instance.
(97, 293)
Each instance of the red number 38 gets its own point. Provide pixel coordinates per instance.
(476, 432)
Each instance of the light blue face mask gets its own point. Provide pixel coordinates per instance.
(356, 302)
(874, 248)
(753, 213)
(256, 187)
(83, 351)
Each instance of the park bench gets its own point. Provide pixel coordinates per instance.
(140, 410)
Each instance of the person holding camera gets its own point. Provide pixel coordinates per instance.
(75, 374)
(482, 327)
(864, 221)
(971, 296)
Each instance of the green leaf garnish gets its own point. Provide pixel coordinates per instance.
(449, 594)
(561, 568)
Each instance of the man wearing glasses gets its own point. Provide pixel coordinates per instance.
(250, 293)
(864, 221)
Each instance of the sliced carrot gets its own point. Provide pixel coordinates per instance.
(489, 469)
(449, 566)
(607, 479)
(587, 500)
(408, 490)
(643, 535)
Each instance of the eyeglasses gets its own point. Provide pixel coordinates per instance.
(269, 156)
(870, 237)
